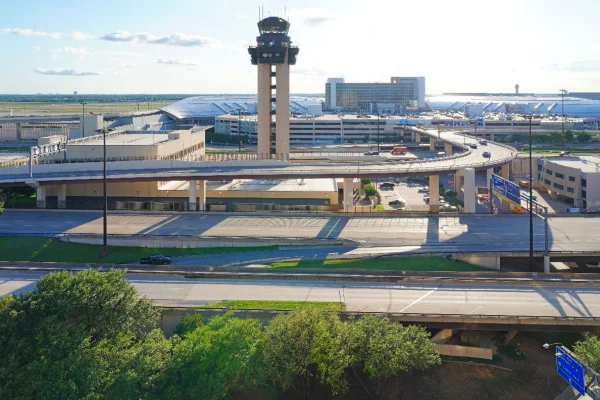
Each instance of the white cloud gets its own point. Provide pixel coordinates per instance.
(74, 51)
(65, 72)
(177, 62)
(575, 66)
(316, 72)
(174, 39)
(243, 17)
(78, 36)
(26, 32)
(36, 48)
(312, 16)
(119, 53)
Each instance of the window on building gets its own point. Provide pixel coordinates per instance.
(559, 175)
(558, 186)
(539, 177)
(570, 190)
(549, 171)
(571, 179)
(540, 166)
(583, 182)
(583, 194)
(547, 182)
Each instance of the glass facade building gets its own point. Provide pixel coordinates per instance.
(399, 95)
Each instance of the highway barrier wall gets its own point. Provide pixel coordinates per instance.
(464, 351)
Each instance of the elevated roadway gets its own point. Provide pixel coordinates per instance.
(553, 304)
(136, 171)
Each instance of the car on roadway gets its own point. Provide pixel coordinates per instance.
(524, 184)
(371, 153)
(396, 203)
(156, 259)
(473, 146)
(387, 185)
(483, 142)
(564, 153)
(527, 194)
(573, 210)
(423, 189)
(486, 154)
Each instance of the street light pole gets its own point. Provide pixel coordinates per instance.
(378, 132)
(562, 109)
(530, 199)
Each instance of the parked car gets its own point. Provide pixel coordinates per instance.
(396, 203)
(527, 194)
(448, 208)
(371, 153)
(564, 153)
(156, 259)
(486, 154)
(424, 189)
(473, 146)
(387, 185)
(524, 184)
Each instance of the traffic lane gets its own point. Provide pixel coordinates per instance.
(571, 300)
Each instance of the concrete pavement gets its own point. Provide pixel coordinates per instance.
(465, 233)
(473, 299)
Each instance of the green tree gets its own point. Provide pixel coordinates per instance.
(589, 351)
(450, 193)
(584, 137)
(569, 136)
(365, 181)
(189, 323)
(369, 190)
(214, 359)
(387, 349)
(70, 335)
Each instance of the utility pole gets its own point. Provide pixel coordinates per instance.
(104, 221)
(530, 199)
(82, 119)
(562, 109)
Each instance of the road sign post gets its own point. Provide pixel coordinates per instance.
(506, 190)
(570, 369)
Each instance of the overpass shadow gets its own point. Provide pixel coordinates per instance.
(333, 228)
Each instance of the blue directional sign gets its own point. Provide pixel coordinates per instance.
(570, 370)
(506, 190)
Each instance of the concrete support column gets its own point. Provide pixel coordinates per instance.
(263, 125)
(413, 136)
(348, 194)
(282, 127)
(506, 170)
(457, 185)
(41, 197)
(19, 130)
(432, 143)
(192, 203)
(469, 197)
(490, 172)
(434, 193)
(201, 193)
(418, 137)
(547, 264)
(492, 137)
(448, 148)
(62, 196)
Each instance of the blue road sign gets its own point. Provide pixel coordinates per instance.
(506, 190)
(570, 370)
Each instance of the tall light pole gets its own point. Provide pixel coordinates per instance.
(82, 119)
(104, 219)
(378, 132)
(562, 109)
(530, 199)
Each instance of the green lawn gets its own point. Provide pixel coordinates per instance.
(388, 264)
(277, 305)
(52, 250)
(14, 149)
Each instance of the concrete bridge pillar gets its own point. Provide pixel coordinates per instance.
(413, 136)
(348, 194)
(506, 170)
(19, 131)
(547, 264)
(41, 196)
(492, 137)
(432, 143)
(62, 196)
(469, 197)
(201, 193)
(490, 172)
(417, 137)
(192, 202)
(457, 185)
(448, 148)
(434, 193)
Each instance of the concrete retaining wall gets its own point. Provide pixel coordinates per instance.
(464, 351)
(488, 261)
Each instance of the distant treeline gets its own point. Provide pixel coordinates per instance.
(110, 98)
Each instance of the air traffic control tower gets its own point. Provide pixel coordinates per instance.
(273, 54)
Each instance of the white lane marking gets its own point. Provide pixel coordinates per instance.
(476, 309)
(419, 299)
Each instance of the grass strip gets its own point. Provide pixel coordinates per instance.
(40, 249)
(386, 264)
(277, 305)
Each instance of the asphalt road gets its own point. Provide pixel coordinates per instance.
(476, 233)
(441, 298)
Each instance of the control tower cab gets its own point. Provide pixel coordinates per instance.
(273, 55)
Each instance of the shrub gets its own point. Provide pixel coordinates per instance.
(365, 181)
(450, 193)
(379, 207)
(370, 190)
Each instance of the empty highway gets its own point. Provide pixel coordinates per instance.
(570, 299)
(465, 232)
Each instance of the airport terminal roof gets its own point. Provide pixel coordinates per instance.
(214, 106)
(588, 164)
(127, 139)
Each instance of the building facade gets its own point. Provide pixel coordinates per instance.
(575, 179)
(401, 94)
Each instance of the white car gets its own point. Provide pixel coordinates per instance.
(423, 190)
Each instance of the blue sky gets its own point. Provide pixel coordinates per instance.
(181, 46)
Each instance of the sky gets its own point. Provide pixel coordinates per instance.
(200, 46)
